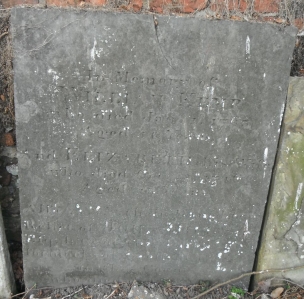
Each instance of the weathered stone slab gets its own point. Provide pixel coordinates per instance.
(283, 235)
(145, 145)
(7, 281)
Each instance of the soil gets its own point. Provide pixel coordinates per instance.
(165, 290)
(9, 200)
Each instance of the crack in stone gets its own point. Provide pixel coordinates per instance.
(155, 21)
(298, 218)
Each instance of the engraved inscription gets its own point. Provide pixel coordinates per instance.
(139, 151)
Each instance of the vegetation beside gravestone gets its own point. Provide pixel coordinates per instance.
(7, 118)
(9, 198)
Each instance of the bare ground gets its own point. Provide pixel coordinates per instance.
(166, 290)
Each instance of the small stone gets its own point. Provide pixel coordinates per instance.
(9, 129)
(8, 139)
(277, 292)
(10, 152)
(140, 292)
(5, 177)
(12, 169)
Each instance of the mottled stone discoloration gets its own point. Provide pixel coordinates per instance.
(149, 149)
(283, 234)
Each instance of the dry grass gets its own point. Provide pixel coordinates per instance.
(163, 290)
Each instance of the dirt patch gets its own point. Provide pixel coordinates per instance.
(9, 197)
(166, 290)
(7, 114)
(297, 65)
(121, 290)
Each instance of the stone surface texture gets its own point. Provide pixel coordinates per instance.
(145, 143)
(141, 292)
(7, 282)
(283, 236)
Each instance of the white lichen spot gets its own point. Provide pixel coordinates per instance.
(246, 231)
(247, 45)
(219, 268)
(282, 113)
(93, 49)
(97, 208)
(148, 232)
(77, 206)
(299, 191)
(220, 255)
(265, 160)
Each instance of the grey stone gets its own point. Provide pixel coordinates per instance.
(8, 129)
(140, 292)
(12, 169)
(9, 151)
(144, 152)
(283, 235)
(7, 281)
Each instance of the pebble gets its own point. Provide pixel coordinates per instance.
(140, 292)
(12, 169)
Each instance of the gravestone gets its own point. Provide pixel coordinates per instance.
(283, 232)
(146, 143)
